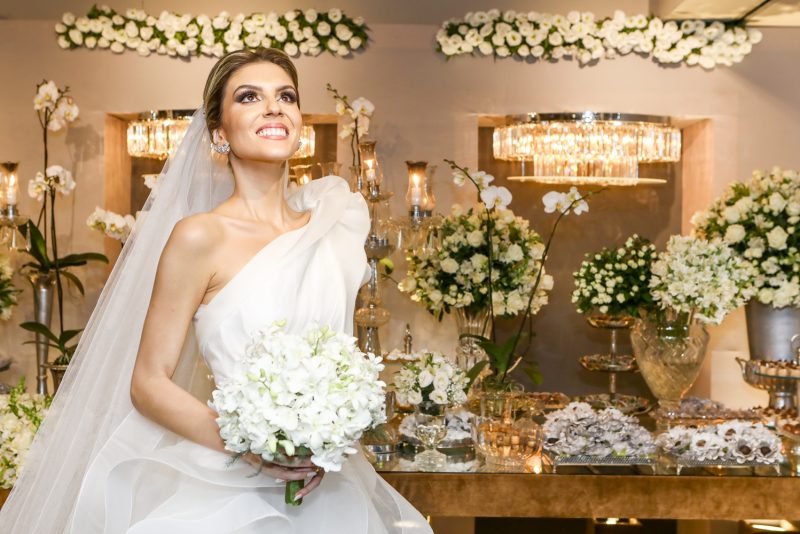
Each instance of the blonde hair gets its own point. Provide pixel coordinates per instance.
(223, 69)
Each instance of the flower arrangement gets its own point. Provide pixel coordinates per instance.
(432, 378)
(295, 32)
(517, 254)
(759, 219)
(734, 441)
(112, 224)
(578, 430)
(311, 394)
(616, 281)
(55, 110)
(360, 111)
(8, 293)
(20, 417)
(700, 279)
(455, 274)
(582, 36)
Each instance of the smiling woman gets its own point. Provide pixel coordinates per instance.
(255, 256)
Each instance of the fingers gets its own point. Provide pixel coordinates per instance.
(288, 473)
(311, 484)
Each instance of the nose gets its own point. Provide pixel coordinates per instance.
(272, 107)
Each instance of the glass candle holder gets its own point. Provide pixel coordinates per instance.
(416, 195)
(330, 168)
(9, 184)
(429, 200)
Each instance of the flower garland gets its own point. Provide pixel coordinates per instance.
(759, 219)
(295, 32)
(581, 36)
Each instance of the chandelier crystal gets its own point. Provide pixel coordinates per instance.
(157, 134)
(587, 148)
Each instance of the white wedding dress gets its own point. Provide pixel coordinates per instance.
(145, 480)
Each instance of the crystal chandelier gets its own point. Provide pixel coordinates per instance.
(586, 148)
(157, 134)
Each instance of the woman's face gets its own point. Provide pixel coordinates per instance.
(260, 116)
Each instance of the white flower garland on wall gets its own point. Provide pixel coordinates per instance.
(585, 38)
(295, 32)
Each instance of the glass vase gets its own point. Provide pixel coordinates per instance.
(471, 321)
(503, 432)
(669, 354)
(431, 429)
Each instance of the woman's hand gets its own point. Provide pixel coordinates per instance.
(299, 470)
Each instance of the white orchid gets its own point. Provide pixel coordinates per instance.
(496, 197)
(554, 201)
(112, 224)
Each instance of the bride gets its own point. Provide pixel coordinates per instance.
(130, 444)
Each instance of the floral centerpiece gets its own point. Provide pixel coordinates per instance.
(759, 219)
(695, 282)
(431, 378)
(615, 282)
(455, 274)
(55, 110)
(310, 395)
(8, 293)
(20, 417)
(578, 430)
(732, 442)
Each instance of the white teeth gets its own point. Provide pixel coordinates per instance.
(272, 132)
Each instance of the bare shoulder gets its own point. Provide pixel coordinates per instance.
(196, 235)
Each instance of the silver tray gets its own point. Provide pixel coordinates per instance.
(603, 460)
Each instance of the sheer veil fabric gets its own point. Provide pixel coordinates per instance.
(94, 397)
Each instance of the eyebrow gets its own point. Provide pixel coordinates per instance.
(259, 88)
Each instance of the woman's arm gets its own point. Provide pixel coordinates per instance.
(181, 281)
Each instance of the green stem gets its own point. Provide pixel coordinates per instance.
(290, 494)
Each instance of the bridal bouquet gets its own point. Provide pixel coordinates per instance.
(20, 417)
(432, 378)
(759, 220)
(309, 395)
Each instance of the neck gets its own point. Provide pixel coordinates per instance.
(258, 191)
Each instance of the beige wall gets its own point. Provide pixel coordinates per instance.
(427, 108)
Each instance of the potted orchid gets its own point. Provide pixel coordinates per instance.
(46, 269)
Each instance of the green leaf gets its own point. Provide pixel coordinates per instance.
(39, 328)
(534, 373)
(474, 371)
(388, 265)
(74, 260)
(38, 249)
(66, 335)
(499, 354)
(74, 279)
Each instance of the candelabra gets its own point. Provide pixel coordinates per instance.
(10, 218)
(369, 180)
(415, 230)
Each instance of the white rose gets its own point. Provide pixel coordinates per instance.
(425, 378)
(311, 15)
(734, 234)
(335, 15)
(291, 49)
(323, 29)
(731, 214)
(68, 19)
(777, 238)
(449, 265)
(777, 202)
(90, 42)
(117, 47)
(355, 43)
(438, 396)
(76, 36)
(435, 296)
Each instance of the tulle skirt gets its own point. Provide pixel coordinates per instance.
(180, 487)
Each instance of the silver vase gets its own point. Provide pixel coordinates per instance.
(44, 285)
(772, 335)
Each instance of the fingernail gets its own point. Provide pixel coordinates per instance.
(279, 480)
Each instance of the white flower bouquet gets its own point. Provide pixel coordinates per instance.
(736, 442)
(759, 220)
(309, 395)
(8, 293)
(455, 274)
(615, 282)
(20, 417)
(582, 36)
(699, 279)
(578, 430)
(432, 378)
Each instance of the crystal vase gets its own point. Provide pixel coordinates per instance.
(471, 322)
(670, 355)
(431, 429)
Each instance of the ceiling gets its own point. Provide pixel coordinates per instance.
(757, 12)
